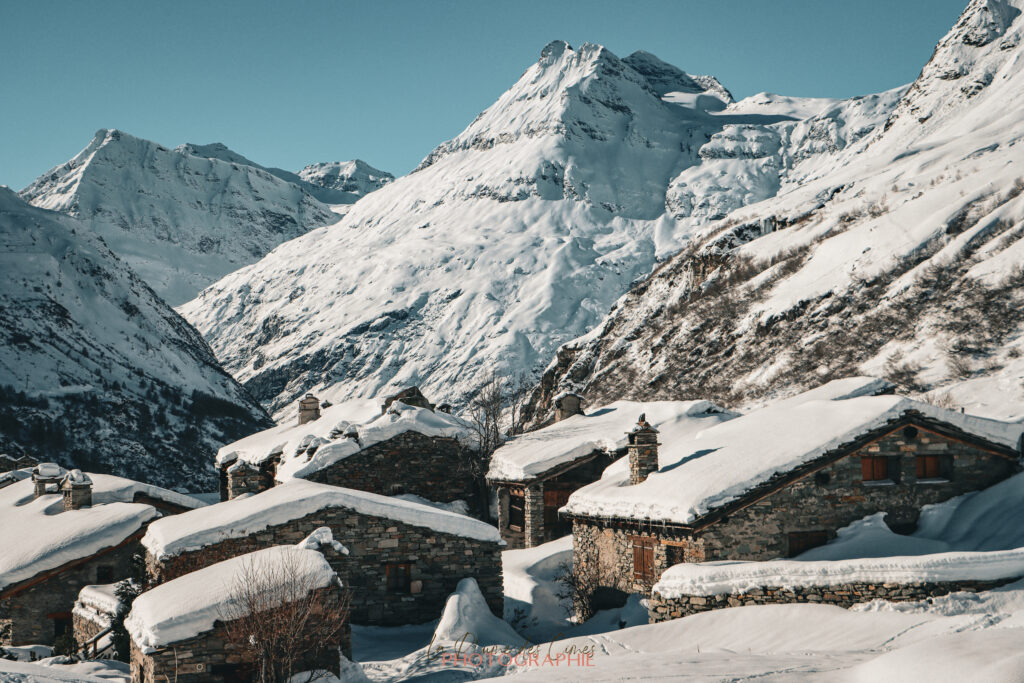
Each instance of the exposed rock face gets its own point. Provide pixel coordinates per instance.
(96, 372)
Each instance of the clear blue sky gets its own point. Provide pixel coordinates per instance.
(291, 82)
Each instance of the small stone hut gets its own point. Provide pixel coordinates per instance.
(182, 630)
(404, 558)
(535, 473)
(777, 482)
(407, 449)
(62, 531)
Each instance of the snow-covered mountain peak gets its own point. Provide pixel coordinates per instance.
(179, 219)
(344, 181)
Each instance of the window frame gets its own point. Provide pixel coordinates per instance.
(398, 578)
(100, 570)
(869, 468)
(517, 519)
(923, 462)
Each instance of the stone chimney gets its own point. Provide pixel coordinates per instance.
(77, 490)
(46, 476)
(567, 405)
(643, 451)
(309, 409)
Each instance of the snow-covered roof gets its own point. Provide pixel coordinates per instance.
(715, 578)
(718, 465)
(536, 453)
(38, 535)
(293, 499)
(310, 447)
(100, 597)
(190, 605)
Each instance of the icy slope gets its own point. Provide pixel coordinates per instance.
(899, 256)
(180, 221)
(507, 241)
(95, 370)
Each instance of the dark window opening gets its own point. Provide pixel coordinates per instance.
(910, 433)
(61, 624)
(802, 541)
(874, 468)
(516, 512)
(397, 489)
(929, 467)
(398, 576)
(104, 574)
(643, 559)
(553, 526)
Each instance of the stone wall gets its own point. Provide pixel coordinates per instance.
(33, 609)
(437, 563)
(821, 501)
(88, 623)
(211, 658)
(846, 595)
(431, 467)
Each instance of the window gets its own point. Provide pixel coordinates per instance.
(928, 467)
(643, 558)
(516, 512)
(104, 574)
(802, 541)
(397, 489)
(874, 468)
(398, 576)
(61, 623)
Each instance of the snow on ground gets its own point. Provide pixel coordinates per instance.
(51, 671)
(714, 467)
(341, 431)
(191, 604)
(38, 534)
(604, 428)
(531, 588)
(291, 500)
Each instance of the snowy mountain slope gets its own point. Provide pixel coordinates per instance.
(95, 370)
(507, 240)
(903, 259)
(180, 221)
(335, 182)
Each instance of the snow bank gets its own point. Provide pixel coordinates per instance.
(713, 578)
(189, 605)
(37, 535)
(466, 617)
(342, 431)
(721, 463)
(293, 499)
(603, 429)
(100, 597)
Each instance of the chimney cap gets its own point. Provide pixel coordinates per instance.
(642, 425)
(76, 478)
(48, 470)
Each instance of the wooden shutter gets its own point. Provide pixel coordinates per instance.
(874, 468)
(927, 467)
(643, 558)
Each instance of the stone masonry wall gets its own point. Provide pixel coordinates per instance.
(431, 467)
(210, 658)
(822, 501)
(846, 595)
(437, 563)
(27, 610)
(87, 626)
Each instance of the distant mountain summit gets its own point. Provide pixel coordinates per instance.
(95, 370)
(518, 234)
(179, 219)
(343, 182)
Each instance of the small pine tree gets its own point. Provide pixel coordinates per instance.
(126, 592)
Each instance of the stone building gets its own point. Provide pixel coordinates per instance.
(535, 473)
(775, 483)
(92, 616)
(406, 449)
(62, 531)
(404, 558)
(183, 630)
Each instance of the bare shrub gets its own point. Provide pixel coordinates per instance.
(941, 400)
(283, 621)
(1016, 189)
(879, 208)
(577, 589)
(959, 366)
(902, 373)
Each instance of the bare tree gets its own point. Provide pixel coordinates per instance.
(495, 414)
(283, 622)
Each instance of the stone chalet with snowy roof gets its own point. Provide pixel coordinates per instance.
(64, 530)
(535, 473)
(183, 630)
(774, 483)
(404, 558)
(404, 447)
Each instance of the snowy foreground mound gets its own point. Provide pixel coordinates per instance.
(904, 259)
(517, 235)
